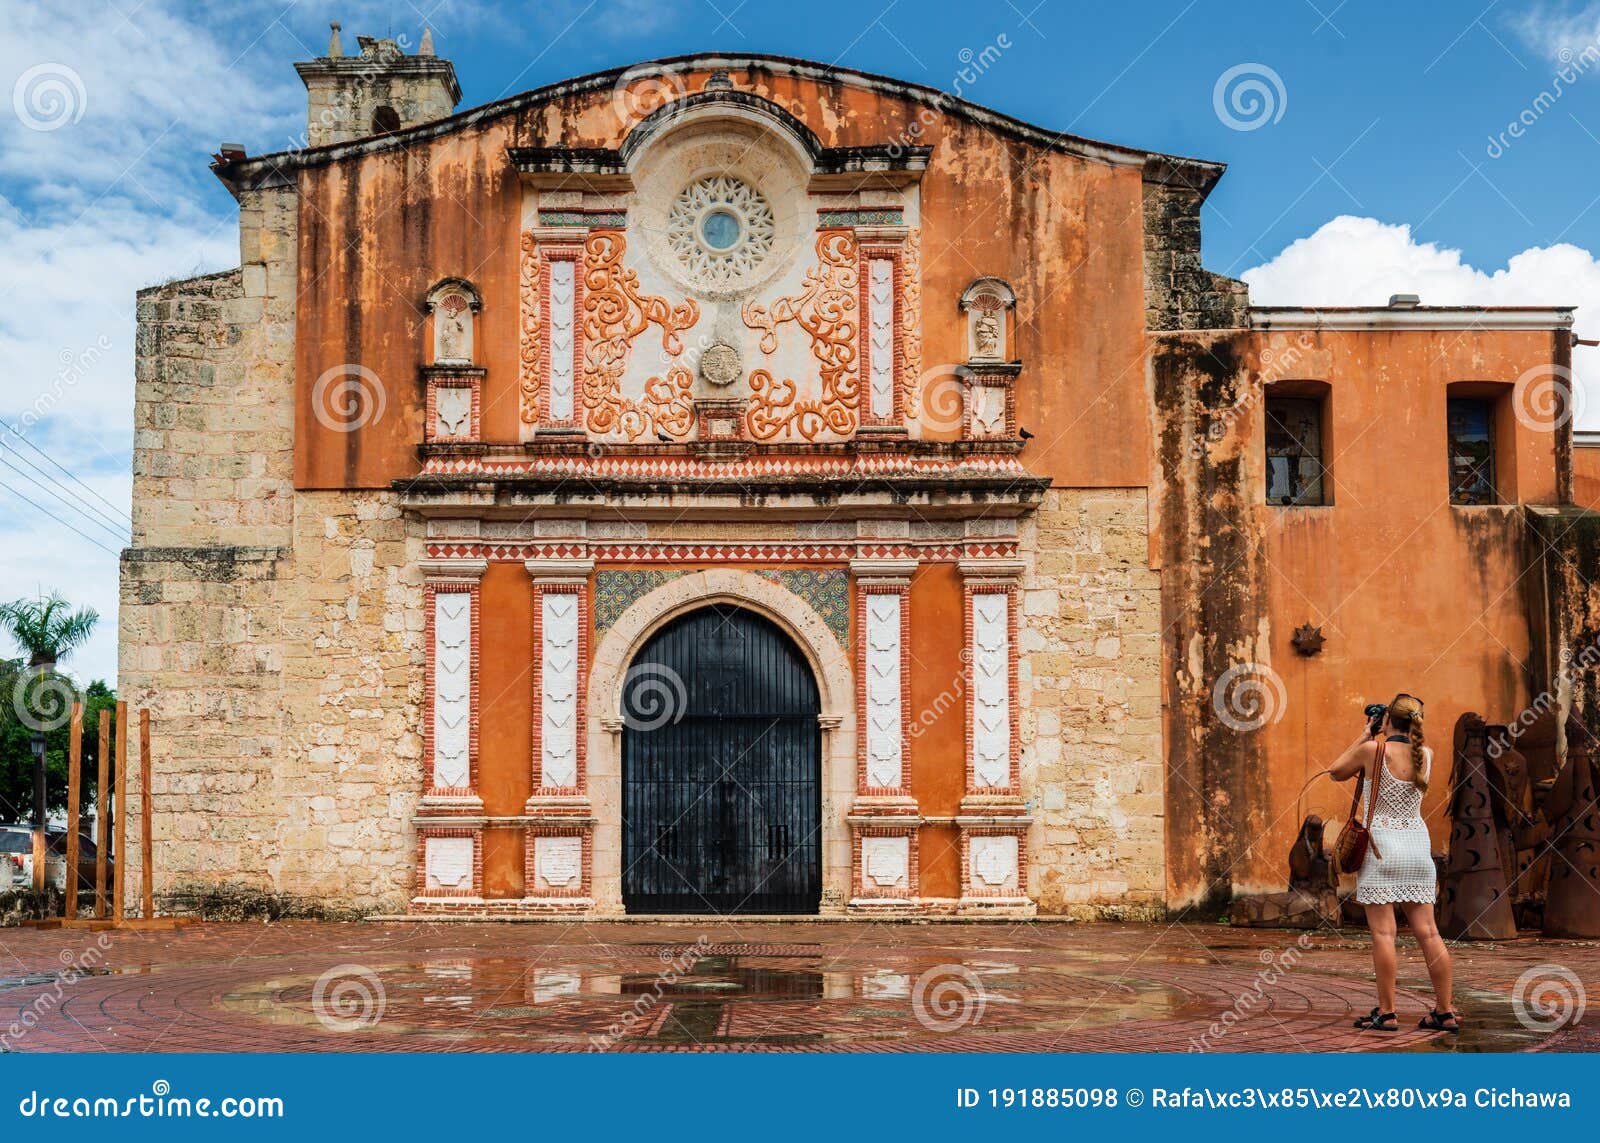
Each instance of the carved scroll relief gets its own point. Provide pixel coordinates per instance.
(826, 309)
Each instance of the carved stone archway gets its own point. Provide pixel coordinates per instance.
(835, 684)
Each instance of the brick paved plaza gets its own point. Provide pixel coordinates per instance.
(748, 986)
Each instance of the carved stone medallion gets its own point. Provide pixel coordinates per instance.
(720, 364)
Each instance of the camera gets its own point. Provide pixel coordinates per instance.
(1374, 712)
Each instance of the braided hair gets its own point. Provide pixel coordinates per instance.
(1405, 716)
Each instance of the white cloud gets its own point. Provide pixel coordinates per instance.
(105, 127)
(1559, 32)
(1360, 262)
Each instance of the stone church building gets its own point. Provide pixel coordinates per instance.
(738, 484)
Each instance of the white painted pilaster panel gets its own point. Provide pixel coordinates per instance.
(558, 698)
(452, 689)
(563, 325)
(452, 407)
(885, 737)
(880, 330)
(558, 861)
(886, 862)
(991, 690)
(994, 862)
(448, 863)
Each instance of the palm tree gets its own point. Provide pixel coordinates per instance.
(46, 629)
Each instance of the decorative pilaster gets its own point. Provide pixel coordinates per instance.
(558, 847)
(551, 321)
(881, 353)
(884, 817)
(450, 728)
(993, 819)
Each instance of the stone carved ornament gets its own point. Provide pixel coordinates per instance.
(826, 310)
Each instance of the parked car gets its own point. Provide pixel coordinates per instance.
(16, 859)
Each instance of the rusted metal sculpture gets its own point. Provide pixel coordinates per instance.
(1572, 899)
(1311, 901)
(1476, 903)
(1310, 869)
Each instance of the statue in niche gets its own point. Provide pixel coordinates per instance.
(452, 303)
(985, 303)
(452, 330)
(1476, 901)
(986, 334)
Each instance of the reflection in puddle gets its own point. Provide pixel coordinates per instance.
(658, 995)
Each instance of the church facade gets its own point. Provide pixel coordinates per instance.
(739, 485)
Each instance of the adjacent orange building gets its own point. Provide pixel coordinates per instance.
(743, 485)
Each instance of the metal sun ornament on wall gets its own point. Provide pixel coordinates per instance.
(1308, 639)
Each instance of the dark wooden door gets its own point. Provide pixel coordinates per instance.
(721, 770)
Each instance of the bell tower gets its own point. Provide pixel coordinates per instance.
(379, 91)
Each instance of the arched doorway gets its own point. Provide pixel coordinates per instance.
(721, 770)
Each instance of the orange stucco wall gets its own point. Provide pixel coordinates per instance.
(938, 745)
(1586, 477)
(377, 231)
(1412, 593)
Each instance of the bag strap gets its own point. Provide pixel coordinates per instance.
(1377, 779)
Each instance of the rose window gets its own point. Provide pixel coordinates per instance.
(720, 229)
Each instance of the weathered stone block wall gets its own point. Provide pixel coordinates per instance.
(349, 768)
(285, 686)
(1089, 685)
(1180, 293)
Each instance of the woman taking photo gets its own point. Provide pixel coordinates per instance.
(1394, 765)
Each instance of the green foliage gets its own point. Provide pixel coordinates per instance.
(16, 747)
(45, 628)
(40, 698)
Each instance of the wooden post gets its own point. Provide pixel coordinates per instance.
(146, 867)
(102, 818)
(74, 796)
(120, 878)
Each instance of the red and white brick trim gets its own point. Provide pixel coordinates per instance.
(454, 579)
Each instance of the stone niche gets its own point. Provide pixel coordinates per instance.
(453, 305)
(987, 304)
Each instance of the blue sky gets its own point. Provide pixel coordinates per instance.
(1369, 146)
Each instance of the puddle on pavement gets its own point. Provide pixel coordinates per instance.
(669, 995)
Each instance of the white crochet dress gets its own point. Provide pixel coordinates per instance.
(1405, 871)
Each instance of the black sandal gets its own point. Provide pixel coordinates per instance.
(1376, 1021)
(1434, 1021)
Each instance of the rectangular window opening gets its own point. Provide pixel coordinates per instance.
(1295, 468)
(1471, 428)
